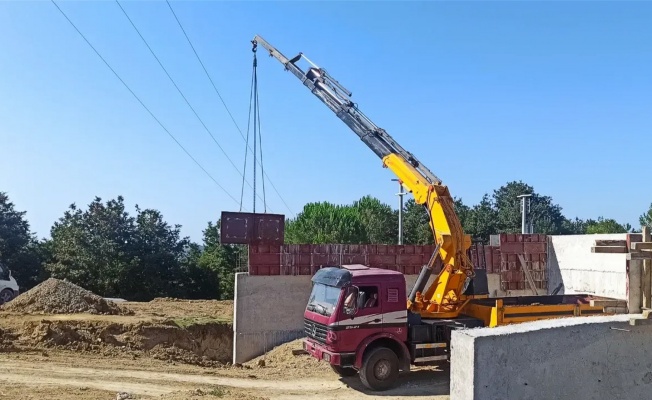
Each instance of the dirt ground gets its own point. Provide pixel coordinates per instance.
(168, 349)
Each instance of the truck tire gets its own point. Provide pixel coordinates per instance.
(344, 371)
(379, 369)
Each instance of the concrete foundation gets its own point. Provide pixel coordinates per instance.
(572, 265)
(573, 358)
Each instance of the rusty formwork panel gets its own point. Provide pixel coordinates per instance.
(306, 259)
(533, 249)
(252, 228)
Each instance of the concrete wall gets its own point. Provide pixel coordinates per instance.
(571, 263)
(572, 358)
(268, 311)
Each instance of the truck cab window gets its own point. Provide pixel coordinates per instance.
(368, 297)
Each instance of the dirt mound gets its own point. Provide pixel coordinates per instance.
(281, 358)
(55, 296)
(207, 345)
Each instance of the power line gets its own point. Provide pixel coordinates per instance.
(180, 92)
(223, 102)
(141, 103)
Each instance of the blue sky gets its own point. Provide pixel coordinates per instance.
(557, 94)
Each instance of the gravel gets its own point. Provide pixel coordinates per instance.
(55, 296)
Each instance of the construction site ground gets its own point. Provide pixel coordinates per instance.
(167, 349)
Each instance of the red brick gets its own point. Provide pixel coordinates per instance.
(378, 260)
(511, 247)
(537, 247)
(265, 259)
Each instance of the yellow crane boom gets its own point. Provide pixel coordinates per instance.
(444, 298)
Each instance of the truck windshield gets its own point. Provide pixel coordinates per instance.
(323, 299)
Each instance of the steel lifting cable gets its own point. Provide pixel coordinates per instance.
(257, 137)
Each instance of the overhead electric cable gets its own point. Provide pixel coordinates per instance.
(180, 92)
(220, 96)
(143, 104)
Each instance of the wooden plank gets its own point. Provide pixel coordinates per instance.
(616, 310)
(528, 275)
(641, 255)
(611, 243)
(642, 246)
(647, 268)
(298, 352)
(608, 303)
(609, 249)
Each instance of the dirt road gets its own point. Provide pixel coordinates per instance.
(33, 377)
(165, 349)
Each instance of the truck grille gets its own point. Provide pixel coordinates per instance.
(314, 330)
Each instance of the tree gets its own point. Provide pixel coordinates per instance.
(546, 215)
(379, 220)
(416, 225)
(20, 251)
(603, 225)
(221, 261)
(112, 253)
(482, 220)
(323, 222)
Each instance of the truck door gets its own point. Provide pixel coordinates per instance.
(369, 308)
(394, 311)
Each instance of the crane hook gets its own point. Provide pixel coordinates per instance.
(255, 45)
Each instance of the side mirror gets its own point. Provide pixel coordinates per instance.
(351, 301)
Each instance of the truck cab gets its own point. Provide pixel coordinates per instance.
(356, 319)
(354, 312)
(8, 285)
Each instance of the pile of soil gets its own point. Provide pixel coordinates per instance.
(281, 358)
(56, 296)
(208, 345)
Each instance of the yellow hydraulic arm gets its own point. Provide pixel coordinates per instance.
(444, 298)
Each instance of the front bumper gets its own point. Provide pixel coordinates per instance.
(318, 351)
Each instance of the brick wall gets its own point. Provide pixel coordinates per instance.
(503, 259)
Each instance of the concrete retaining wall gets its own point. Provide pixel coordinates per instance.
(584, 358)
(268, 311)
(571, 263)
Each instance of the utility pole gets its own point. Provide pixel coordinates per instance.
(526, 224)
(400, 195)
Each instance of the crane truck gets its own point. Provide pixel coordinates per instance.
(360, 319)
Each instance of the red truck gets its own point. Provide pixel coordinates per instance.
(356, 320)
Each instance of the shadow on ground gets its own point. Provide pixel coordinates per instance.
(420, 381)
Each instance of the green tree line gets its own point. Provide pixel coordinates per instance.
(139, 256)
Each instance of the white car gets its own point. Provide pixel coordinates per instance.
(8, 285)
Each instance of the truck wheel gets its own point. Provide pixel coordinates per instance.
(6, 296)
(380, 369)
(344, 371)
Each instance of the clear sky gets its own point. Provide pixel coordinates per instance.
(557, 94)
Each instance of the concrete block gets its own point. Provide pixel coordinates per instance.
(582, 358)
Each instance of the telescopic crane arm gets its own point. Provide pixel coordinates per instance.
(444, 298)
